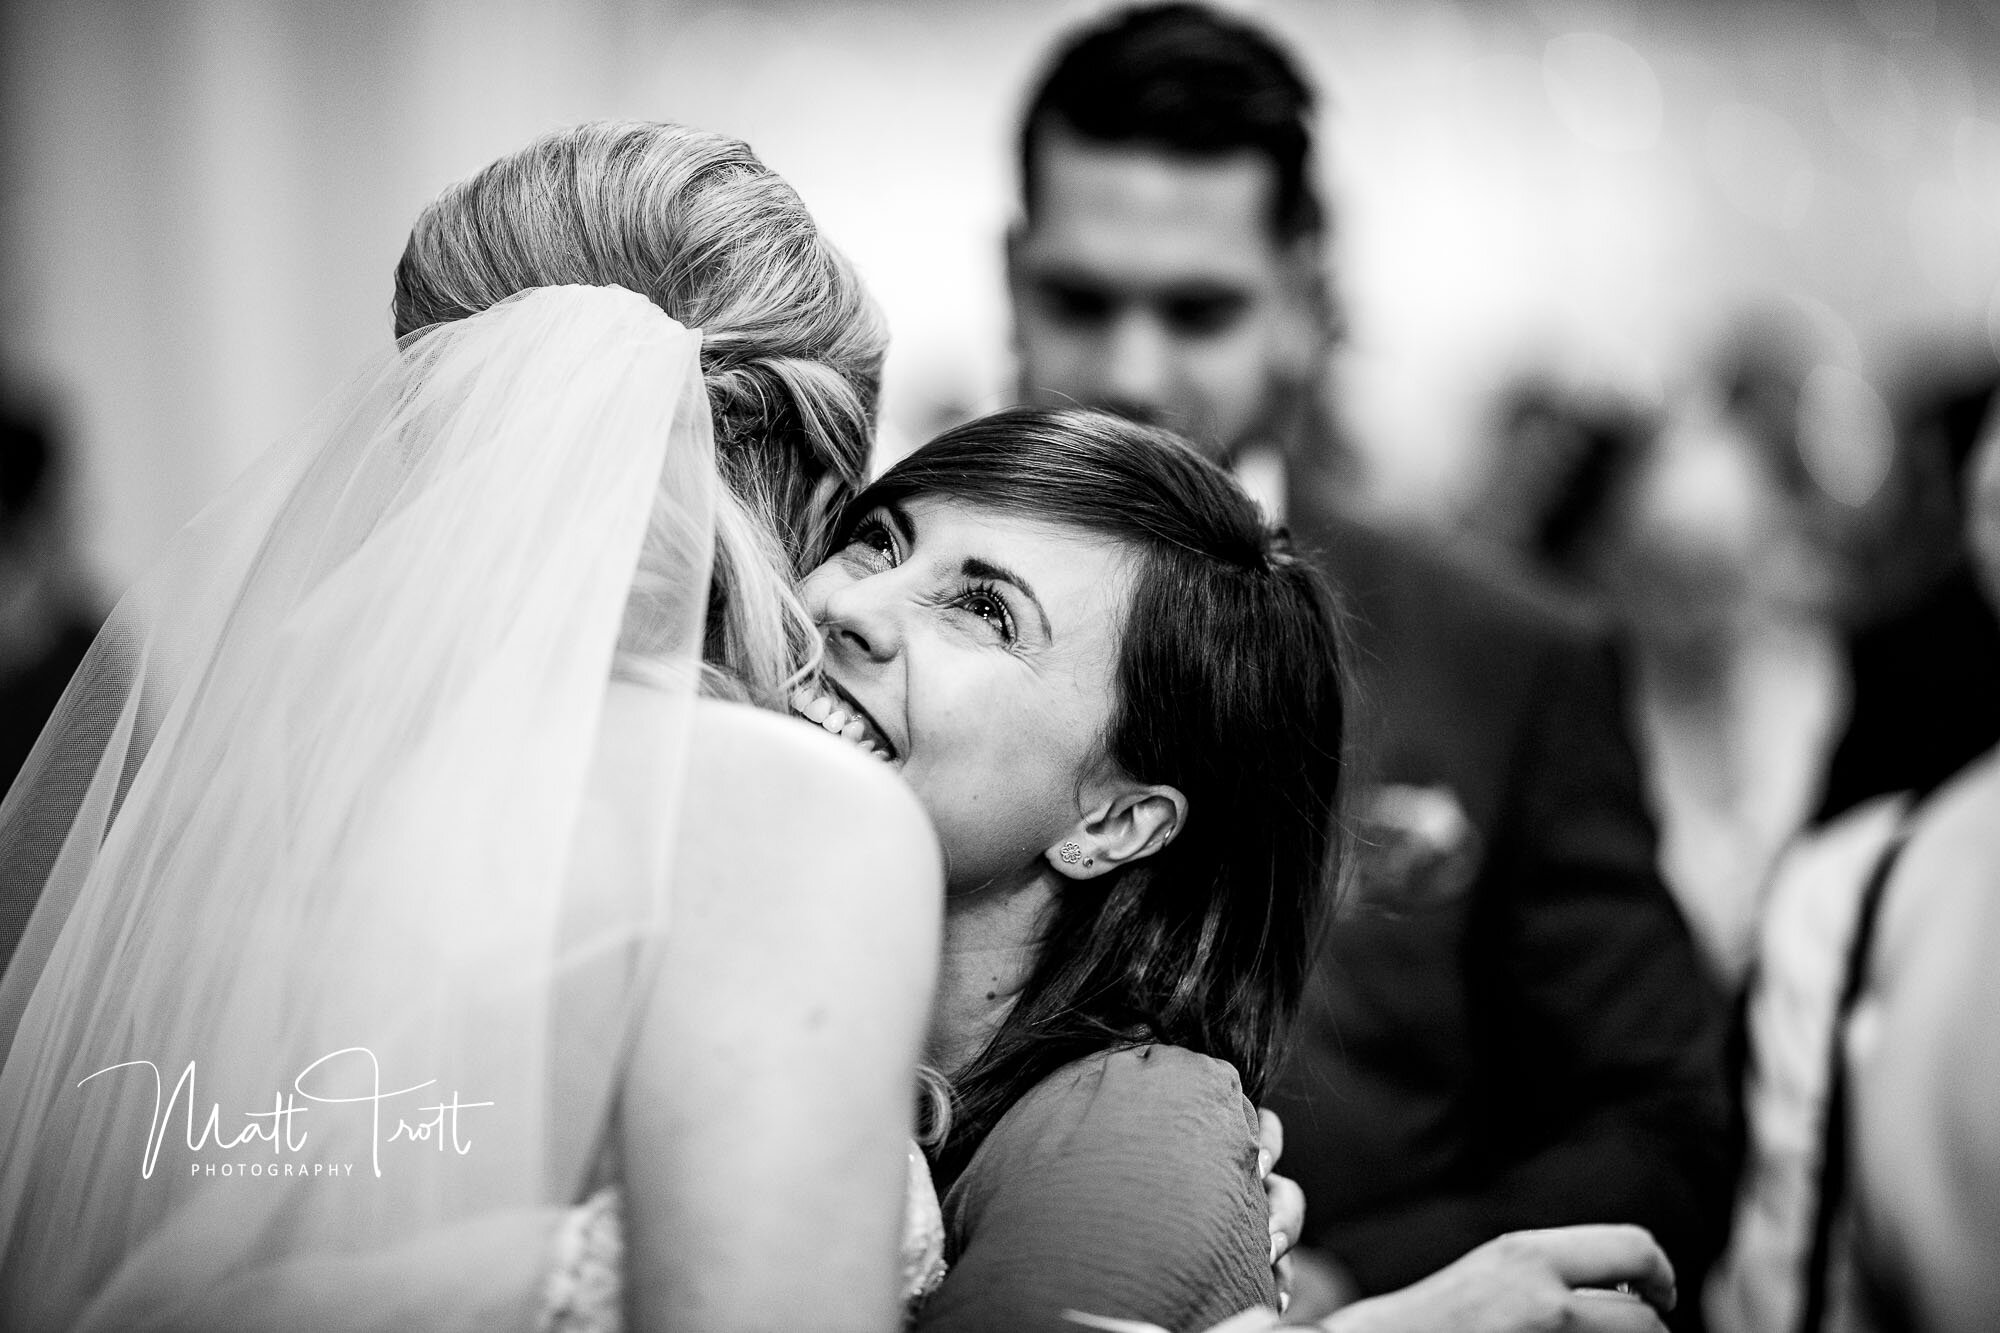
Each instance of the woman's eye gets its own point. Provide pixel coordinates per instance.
(990, 608)
(874, 544)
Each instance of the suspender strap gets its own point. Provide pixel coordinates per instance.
(1832, 1182)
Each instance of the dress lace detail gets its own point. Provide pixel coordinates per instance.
(585, 1288)
(923, 1236)
(585, 1291)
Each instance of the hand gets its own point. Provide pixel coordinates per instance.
(1532, 1282)
(1321, 1285)
(1285, 1199)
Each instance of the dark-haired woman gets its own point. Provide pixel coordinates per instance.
(1118, 697)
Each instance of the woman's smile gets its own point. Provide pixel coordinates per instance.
(824, 703)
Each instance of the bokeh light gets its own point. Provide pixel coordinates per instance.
(1605, 92)
(1761, 163)
(1846, 437)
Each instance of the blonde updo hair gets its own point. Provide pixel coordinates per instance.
(792, 346)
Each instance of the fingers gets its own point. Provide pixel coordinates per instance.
(1320, 1286)
(1287, 1203)
(1604, 1256)
(1271, 1139)
(1110, 1324)
(1595, 1310)
(1285, 1199)
(1256, 1320)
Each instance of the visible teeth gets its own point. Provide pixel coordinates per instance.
(836, 719)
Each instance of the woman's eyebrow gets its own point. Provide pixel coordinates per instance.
(992, 573)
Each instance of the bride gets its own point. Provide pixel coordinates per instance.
(376, 930)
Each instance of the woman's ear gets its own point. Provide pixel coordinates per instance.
(1129, 826)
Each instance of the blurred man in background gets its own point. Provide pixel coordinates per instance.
(1509, 1029)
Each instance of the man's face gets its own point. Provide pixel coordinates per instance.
(1151, 285)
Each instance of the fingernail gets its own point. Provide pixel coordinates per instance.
(1276, 1240)
(1284, 1301)
(1264, 1163)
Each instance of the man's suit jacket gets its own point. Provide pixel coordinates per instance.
(1508, 1027)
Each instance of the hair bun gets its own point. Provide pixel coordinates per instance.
(740, 395)
(834, 415)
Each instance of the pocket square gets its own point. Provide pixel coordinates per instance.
(1418, 848)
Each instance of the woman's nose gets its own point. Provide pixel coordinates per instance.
(861, 618)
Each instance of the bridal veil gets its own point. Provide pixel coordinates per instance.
(287, 1032)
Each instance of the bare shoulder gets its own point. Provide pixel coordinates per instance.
(787, 1013)
(771, 800)
(750, 763)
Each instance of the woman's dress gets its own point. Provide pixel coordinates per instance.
(1125, 1186)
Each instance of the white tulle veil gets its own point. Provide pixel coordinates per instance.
(313, 797)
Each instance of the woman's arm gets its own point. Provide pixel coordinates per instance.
(766, 1116)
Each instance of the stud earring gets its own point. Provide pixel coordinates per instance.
(1070, 853)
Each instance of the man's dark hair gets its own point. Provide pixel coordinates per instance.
(1187, 80)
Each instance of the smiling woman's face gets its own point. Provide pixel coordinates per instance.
(978, 650)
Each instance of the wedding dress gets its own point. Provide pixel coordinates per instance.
(285, 1037)
(586, 1282)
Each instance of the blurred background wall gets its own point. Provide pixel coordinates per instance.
(204, 198)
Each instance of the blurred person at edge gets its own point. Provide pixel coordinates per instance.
(45, 627)
(1557, 457)
(1881, 548)
(1922, 641)
(1871, 1195)
(1737, 684)
(1511, 1030)
(1705, 556)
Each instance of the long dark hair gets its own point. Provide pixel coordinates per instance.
(1228, 687)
